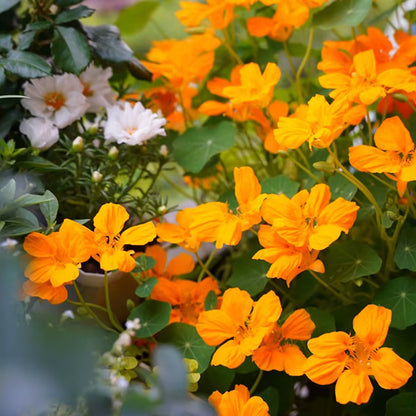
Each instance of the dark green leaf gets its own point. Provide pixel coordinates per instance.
(8, 118)
(40, 165)
(26, 64)
(187, 340)
(29, 199)
(39, 25)
(402, 342)
(7, 192)
(196, 146)
(68, 15)
(70, 49)
(272, 397)
(132, 19)
(280, 184)
(66, 3)
(5, 42)
(324, 321)
(153, 315)
(399, 295)
(7, 4)
(349, 260)
(249, 275)
(403, 404)
(405, 255)
(26, 39)
(216, 378)
(49, 208)
(341, 187)
(2, 77)
(144, 290)
(342, 13)
(210, 301)
(106, 43)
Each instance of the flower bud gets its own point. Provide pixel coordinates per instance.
(96, 143)
(96, 176)
(324, 166)
(78, 144)
(113, 153)
(163, 150)
(162, 210)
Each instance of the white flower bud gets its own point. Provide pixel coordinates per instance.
(97, 176)
(78, 144)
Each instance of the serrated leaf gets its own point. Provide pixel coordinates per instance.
(153, 315)
(7, 4)
(341, 187)
(405, 255)
(249, 275)
(403, 404)
(68, 15)
(132, 19)
(187, 340)
(399, 295)
(49, 208)
(106, 43)
(196, 146)
(70, 49)
(26, 64)
(342, 13)
(211, 301)
(349, 260)
(280, 184)
(144, 290)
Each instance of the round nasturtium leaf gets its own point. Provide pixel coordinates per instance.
(399, 295)
(405, 255)
(153, 315)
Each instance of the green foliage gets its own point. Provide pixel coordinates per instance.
(280, 184)
(341, 187)
(132, 19)
(402, 404)
(7, 4)
(153, 315)
(26, 64)
(405, 254)
(145, 289)
(211, 301)
(324, 321)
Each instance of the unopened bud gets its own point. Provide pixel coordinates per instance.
(113, 153)
(163, 150)
(96, 143)
(97, 176)
(324, 166)
(78, 144)
(162, 210)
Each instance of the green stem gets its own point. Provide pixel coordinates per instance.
(229, 48)
(289, 57)
(91, 305)
(110, 314)
(205, 266)
(302, 65)
(331, 289)
(256, 382)
(306, 170)
(90, 311)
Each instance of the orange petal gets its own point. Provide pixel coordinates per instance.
(319, 198)
(298, 325)
(370, 159)
(53, 295)
(229, 355)
(139, 235)
(353, 386)
(393, 135)
(237, 304)
(184, 263)
(330, 345)
(159, 255)
(247, 186)
(215, 326)
(110, 219)
(64, 274)
(39, 245)
(266, 310)
(324, 370)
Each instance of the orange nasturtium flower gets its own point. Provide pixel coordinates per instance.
(277, 352)
(350, 360)
(241, 322)
(186, 297)
(110, 241)
(238, 402)
(395, 154)
(46, 291)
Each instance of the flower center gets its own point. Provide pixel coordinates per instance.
(131, 130)
(54, 99)
(360, 355)
(87, 90)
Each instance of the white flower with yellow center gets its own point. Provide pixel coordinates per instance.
(132, 125)
(58, 98)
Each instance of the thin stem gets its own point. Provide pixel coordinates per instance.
(230, 49)
(306, 170)
(302, 65)
(91, 305)
(90, 311)
(256, 382)
(289, 57)
(327, 286)
(110, 314)
(389, 185)
(205, 266)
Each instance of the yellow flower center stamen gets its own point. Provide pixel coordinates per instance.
(360, 355)
(54, 99)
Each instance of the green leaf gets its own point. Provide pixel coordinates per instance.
(196, 146)
(66, 3)
(403, 404)
(342, 13)
(144, 290)
(133, 19)
(5, 42)
(49, 208)
(187, 340)
(249, 275)
(68, 15)
(7, 192)
(144, 263)
(25, 39)
(106, 43)
(405, 255)
(29, 199)
(349, 260)
(7, 4)
(153, 315)
(70, 49)
(26, 64)
(341, 187)
(324, 321)
(402, 342)
(399, 295)
(280, 184)
(211, 301)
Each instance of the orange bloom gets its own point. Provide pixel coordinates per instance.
(57, 257)
(309, 219)
(350, 360)
(238, 403)
(46, 291)
(181, 264)
(395, 154)
(277, 352)
(110, 241)
(186, 297)
(242, 322)
(287, 260)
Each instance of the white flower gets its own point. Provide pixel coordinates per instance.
(96, 88)
(58, 98)
(41, 132)
(132, 125)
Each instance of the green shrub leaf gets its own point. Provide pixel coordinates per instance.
(26, 64)
(7, 4)
(49, 208)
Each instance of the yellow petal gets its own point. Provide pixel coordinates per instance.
(393, 135)
(215, 327)
(110, 219)
(298, 325)
(229, 355)
(353, 386)
(139, 235)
